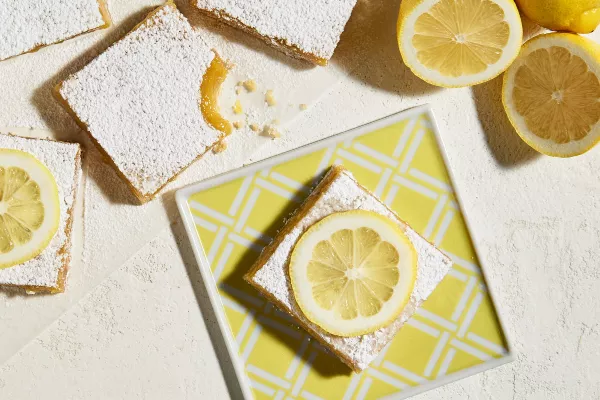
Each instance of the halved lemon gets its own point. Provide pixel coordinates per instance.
(551, 94)
(353, 272)
(455, 43)
(29, 207)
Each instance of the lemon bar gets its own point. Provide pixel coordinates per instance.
(340, 192)
(47, 271)
(307, 29)
(149, 101)
(27, 25)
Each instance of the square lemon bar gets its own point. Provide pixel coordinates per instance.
(27, 25)
(339, 192)
(48, 270)
(149, 101)
(308, 29)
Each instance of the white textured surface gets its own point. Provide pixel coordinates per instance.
(60, 158)
(344, 194)
(140, 100)
(313, 26)
(27, 24)
(536, 221)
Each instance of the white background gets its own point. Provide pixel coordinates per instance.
(131, 323)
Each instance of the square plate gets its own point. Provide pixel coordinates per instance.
(400, 158)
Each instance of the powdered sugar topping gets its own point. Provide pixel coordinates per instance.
(312, 26)
(140, 100)
(344, 194)
(60, 158)
(27, 24)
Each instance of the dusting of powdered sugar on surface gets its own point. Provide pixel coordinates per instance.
(60, 158)
(27, 24)
(312, 26)
(344, 194)
(140, 100)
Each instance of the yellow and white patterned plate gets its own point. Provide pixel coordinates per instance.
(230, 218)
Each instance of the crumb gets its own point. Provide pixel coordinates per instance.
(270, 98)
(303, 107)
(275, 122)
(238, 90)
(237, 107)
(254, 127)
(219, 147)
(238, 124)
(249, 85)
(240, 83)
(271, 132)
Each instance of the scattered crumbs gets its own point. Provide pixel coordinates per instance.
(254, 127)
(303, 107)
(238, 90)
(271, 132)
(239, 84)
(270, 98)
(219, 147)
(237, 107)
(250, 85)
(238, 124)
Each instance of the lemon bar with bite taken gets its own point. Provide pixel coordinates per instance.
(39, 180)
(348, 269)
(149, 102)
(307, 29)
(28, 25)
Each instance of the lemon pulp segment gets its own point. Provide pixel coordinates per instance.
(353, 272)
(29, 207)
(459, 42)
(209, 90)
(552, 94)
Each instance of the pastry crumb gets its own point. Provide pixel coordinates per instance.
(219, 147)
(249, 85)
(270, 98)
(275, 122)
(271, 132)
(238, 90)
(254, 127)
(237, 107)
(303, 107)
(238, 124)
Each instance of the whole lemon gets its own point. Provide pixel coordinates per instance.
(579, 16)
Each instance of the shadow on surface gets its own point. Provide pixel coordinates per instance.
(507, 147)
(368, 50)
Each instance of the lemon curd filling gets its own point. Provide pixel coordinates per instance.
(209, 91)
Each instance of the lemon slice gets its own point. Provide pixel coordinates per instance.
(454, 43)
(552, 94)
(353, 272)
(29, 207)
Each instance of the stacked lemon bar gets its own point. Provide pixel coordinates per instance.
(348, 269)
(149, 102)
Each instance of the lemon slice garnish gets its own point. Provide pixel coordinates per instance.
(29, 207)
(453, 43)
(551, 94)
(353, 272)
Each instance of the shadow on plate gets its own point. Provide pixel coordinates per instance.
(368, 50)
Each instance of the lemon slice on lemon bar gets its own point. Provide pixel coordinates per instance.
(29, 207)
(552, 94)
(454, 43)
(353, 272)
